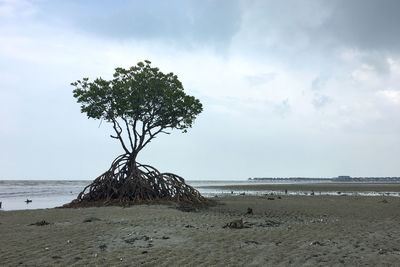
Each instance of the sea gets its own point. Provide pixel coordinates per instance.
(55, 193)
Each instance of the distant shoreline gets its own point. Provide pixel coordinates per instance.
(338, 179)
(316, 187)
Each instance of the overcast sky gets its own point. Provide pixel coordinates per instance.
(289, 88)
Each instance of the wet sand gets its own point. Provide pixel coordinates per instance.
(290, 230)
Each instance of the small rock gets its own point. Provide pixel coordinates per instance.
(144, 251)
(165, 237)
(382, 251)
(91, 219)
(103, 246)
(314, 243)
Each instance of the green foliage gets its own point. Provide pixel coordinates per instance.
(139, 94)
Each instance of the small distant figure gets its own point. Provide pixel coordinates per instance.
(28, 201)
(312, 192)
(285, 191)
(0, 204)
(231, 192)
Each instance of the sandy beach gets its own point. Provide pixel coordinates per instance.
(283, 231)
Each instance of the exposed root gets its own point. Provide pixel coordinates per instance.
(128, 182)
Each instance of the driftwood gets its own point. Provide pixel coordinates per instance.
(129, 182)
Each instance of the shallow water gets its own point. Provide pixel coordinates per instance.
(44, 194)
(53, 193)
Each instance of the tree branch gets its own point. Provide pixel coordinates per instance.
(119, 131)
(152, 136)
(135, 133)
(129, 133)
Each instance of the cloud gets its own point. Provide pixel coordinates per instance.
(319, 82)
(283, 108)
(393, 96)
(184, 24)
(16, 9)
(319, 101)
(259, 79)
(364, 24)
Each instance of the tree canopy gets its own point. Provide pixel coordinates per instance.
(142, 99)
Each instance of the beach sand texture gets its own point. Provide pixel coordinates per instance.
(292, 230)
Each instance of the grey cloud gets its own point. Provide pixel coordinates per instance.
(184, 23)
(365, 24)
(377, 61)
(312, 33)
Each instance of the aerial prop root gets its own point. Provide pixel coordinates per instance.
(129, 182)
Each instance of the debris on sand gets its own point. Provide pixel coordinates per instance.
(40, 223)
(237, 224)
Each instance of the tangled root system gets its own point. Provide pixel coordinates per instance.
(128, 182)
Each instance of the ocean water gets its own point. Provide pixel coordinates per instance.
(54, 193)
(44, 194)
